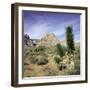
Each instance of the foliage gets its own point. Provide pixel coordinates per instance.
(33, 60)
(57, 59)
(53, 60)
(70, 39)
(42, 60)
(40, 48)
(62, 66)
(76, 70)
(64, 49)
(60, 50)
(27, 53)
(77, 54)
(77, 66)
(25, 63)
(51, 73)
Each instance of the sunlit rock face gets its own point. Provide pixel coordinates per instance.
(49, 40)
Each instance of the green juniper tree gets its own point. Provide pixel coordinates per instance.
(70, 39)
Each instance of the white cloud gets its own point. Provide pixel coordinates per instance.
(38, 30)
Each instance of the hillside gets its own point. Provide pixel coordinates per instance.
(42, 57)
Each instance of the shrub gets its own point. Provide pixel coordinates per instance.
(59, 50)
(33, 60)
(76, 71)
(26, 53)
(42, 60)
(26, 63)
(77, 66)
(62, 66)
(40, 48)
(78, 53)
(57, 59)
(32, 53)
(64, 49)
(31, 50)
(51, 73)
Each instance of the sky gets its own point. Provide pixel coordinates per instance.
(38, 23)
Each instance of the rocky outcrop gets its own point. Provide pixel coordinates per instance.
(49, 40)
(26, 39)
(29, 42)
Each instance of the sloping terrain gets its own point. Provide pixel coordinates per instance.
(41, 58)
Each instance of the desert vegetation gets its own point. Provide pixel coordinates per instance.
(45, 58)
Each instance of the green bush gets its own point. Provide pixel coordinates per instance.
(64, 49)
(78, 53)
(40, 48)
(27, 53)
(42, 60)
(62, 66)
(33, 60)
(51, 73)
(59, 50)
(77, 66)
(25, 63)
(57, 59)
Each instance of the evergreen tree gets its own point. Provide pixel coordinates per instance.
(70, 39)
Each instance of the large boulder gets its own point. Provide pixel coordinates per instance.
(26, 39)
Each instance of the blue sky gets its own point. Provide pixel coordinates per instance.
(37, 24)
